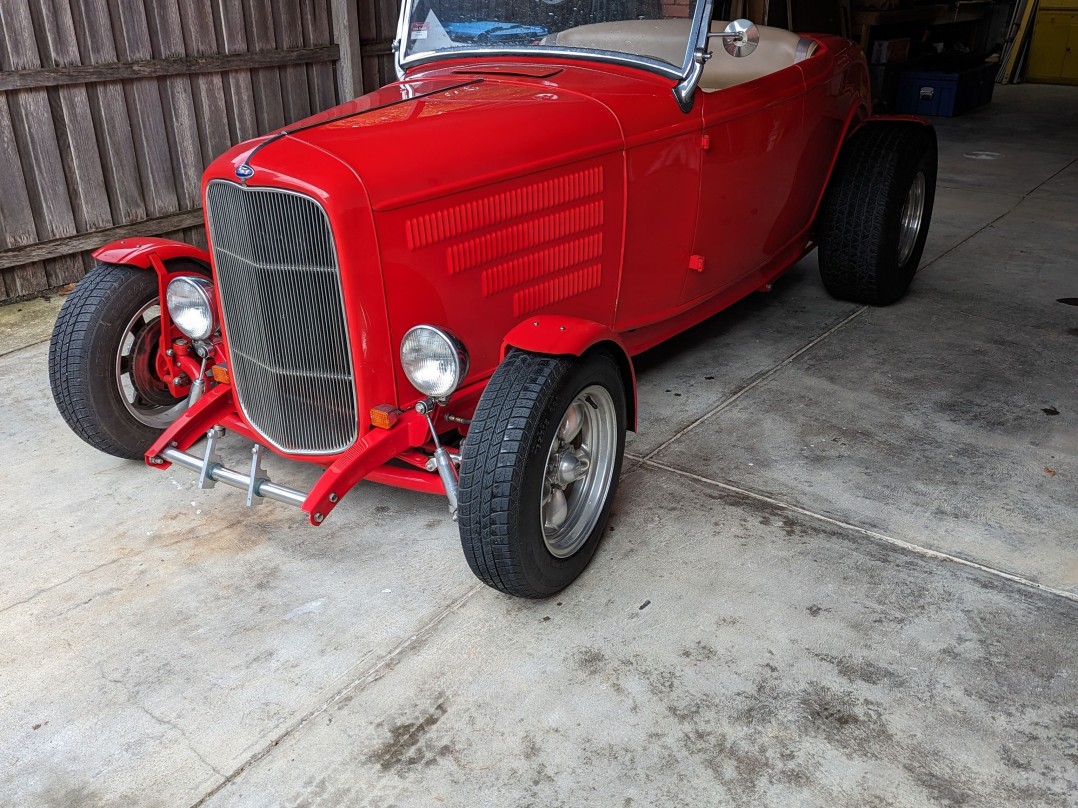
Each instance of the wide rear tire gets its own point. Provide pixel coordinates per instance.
(539, 470)
(875, 215)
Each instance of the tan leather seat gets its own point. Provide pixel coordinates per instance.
(668, 39)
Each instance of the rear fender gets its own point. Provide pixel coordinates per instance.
(889, 120)
(855, 122)
(572, 336)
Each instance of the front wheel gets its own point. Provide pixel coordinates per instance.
(103, 362)
(539, 470)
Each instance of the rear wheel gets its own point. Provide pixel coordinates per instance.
(539, 470)
(103, 362)
(874, 220)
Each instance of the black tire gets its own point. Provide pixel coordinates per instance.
(83, 356)
(504, 472)
(860, 226)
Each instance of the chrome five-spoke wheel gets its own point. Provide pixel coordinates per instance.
(579, 468)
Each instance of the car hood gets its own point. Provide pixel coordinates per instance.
(424, 138)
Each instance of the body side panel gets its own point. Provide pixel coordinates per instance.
(751, 197)
(478, 263)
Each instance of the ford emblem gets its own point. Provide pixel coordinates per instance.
(245, 172)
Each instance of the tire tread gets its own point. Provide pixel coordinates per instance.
(858, 244)
(504, 435)
(71, 354)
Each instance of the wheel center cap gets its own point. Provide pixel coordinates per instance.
(570, 466)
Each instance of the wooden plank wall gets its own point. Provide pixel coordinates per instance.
(111, 109)
(378, 28)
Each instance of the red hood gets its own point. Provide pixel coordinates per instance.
(424, 138)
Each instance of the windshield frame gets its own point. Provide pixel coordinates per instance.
(682, 74)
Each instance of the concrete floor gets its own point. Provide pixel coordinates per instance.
(842, 570)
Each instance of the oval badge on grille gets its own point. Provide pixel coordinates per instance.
(245, 172)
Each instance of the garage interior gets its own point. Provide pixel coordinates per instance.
(842, 567)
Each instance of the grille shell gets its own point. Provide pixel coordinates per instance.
(279, 284)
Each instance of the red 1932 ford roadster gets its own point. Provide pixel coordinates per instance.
(441, 285)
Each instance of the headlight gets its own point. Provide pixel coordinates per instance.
(434, 361)
(189, 306)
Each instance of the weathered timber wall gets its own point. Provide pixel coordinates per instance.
(111, 109)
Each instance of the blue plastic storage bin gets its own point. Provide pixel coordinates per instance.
(946, 94)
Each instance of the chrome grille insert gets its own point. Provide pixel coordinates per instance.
(280, 290)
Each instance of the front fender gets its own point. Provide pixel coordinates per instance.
(139, 252)
(155, 254)
(572, 336)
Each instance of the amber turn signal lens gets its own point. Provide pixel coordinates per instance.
(220, 374)
(384, 416)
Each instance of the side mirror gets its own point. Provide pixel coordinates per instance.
(740, 38)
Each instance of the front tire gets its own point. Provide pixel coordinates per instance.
(874, 219)
(539, 470)
(102, 362)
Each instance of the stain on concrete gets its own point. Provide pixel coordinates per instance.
(589, 660)
(406, 743)
(699, 652)
(854, 669)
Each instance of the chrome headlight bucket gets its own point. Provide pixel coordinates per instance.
(434, 361)
(188, 299)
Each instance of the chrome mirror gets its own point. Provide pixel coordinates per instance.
(740, 37)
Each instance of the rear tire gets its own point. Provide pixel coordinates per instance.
(875, 215)
(102, 362)
(539, 470)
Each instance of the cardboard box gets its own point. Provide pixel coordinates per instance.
(890, 50)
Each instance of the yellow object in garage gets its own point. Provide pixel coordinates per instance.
(1053, 54)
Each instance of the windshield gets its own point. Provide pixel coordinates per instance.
(651, 33)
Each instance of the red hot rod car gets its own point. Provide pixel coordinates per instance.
(441, 285)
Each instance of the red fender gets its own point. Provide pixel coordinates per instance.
(139, 252)
(855, 122)
(152, 254)
(573, 336)
(893, 120)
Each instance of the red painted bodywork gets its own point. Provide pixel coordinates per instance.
(546, 205)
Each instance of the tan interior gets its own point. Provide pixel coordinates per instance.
(667, 40)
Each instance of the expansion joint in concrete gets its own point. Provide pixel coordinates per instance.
(370, 674)
(733, 397)
(911, 547)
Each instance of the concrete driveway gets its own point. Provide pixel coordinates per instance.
(842, 570)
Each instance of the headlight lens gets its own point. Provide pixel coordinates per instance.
(434, 361)
(189, 306)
